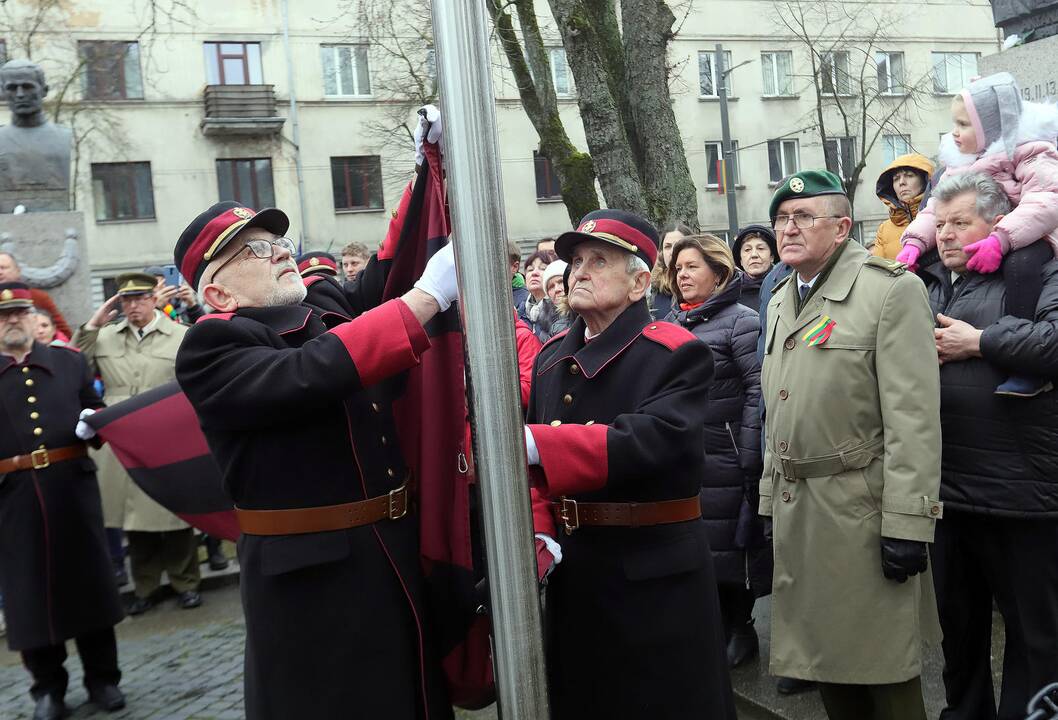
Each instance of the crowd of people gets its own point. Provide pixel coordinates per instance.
(869, 436)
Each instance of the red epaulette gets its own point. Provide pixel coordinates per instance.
(668, 334)
(555, 337)
(312, 279)
(216, 316)
(69, 347)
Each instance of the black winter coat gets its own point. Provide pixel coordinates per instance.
(1000, 455)
(731, 481)
(55, 571)
(750, 296)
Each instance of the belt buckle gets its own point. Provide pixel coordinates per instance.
(569, 515)
(40, 458)
(788, 470)
(395, 497)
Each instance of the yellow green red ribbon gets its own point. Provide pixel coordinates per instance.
(820, 333)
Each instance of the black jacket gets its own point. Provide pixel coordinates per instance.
(634, 626)
(1000, 455)
(750, 296)
(294, 404)
(730, 484)
(55, 571)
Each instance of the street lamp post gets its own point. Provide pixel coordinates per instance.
(726, 148)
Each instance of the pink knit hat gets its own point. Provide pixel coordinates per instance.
(994, 106)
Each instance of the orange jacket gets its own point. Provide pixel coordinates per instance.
(887, 243)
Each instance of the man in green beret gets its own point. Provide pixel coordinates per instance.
(852, 460)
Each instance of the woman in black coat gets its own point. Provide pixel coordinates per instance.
(707, 288)
(755, 253)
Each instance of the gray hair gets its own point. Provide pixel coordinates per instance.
(991, 200)
(636, 265)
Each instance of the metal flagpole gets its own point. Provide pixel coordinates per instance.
(475, 192)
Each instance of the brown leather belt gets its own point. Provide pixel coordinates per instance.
(574, 514)
(391, 506)
(42, 458)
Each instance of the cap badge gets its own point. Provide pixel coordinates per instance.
(314, 262)
(242, 213)
(6, 295)
(588, 226)
(797, 185)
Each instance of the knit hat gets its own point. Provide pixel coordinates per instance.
(994, 106)
(555, 269)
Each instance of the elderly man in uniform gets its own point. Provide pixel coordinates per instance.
(54, 570)
(317, 262)
(131, 356)
(614, 438)
(294, 404)
(852, 460)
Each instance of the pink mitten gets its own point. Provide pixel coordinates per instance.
(909, 256)
(986, 254)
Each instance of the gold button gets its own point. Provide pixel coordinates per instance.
(556, 423)
(384, 440)
(574, 369)
(783, 394)
(29, 382)
(784, 446)
(789, 344)
(785, 496)
(590, 422)
(31, 399)
(391, 473)
(34, 415)
(375, 407)
(568, 399)
(38, 431)
(25, 371)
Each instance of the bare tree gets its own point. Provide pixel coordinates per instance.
(861, 91)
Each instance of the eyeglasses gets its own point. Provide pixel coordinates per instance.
(261, 249)
(803, 221)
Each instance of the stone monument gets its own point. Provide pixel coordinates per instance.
(37, 225)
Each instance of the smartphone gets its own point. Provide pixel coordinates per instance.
(172, 276)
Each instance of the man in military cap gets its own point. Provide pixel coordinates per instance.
(54, 570)
(317, 263)
(293, 400)
(852, 460)
(133, 355)
(615, 439)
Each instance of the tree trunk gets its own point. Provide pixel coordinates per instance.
(670, 193)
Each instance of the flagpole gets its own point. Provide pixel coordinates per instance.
(475, 192)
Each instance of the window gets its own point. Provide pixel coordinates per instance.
(777, 68)
(890, 72)
(111, 70)
(233, 63)
(708, 83)
(247, 182)
(894, 146)
(548, 186)
(345, 70)
(713, 155)
(782, 159)
(840, 155)
(123, 191)
(834, 75)
(561, 77)
(357, 182)
(952, 71)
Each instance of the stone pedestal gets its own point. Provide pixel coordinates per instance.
(50, 247)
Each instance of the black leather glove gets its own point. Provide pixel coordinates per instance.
(903, 558)
(767, 529)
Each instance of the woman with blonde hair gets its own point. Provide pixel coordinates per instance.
(707, 286)
(660, 288)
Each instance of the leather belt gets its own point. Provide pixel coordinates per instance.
(575, 514)
(42, 458)
(853, 459)
(391, 506)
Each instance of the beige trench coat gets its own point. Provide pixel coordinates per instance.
(128, 367)
(852, 454)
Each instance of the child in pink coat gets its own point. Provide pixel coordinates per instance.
(997, 134)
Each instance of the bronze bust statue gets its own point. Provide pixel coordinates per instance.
(34, 152)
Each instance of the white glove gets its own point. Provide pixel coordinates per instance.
(83, 430)
(439, 278)
(532, 455)
(429, 127)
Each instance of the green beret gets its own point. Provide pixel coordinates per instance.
(807, 183)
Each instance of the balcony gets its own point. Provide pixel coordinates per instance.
(241, 110)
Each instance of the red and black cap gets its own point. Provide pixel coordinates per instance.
(317, 262)
(211, 231)
(14, 295)
(626, 230)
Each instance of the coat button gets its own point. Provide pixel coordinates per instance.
(391, 473)
(31, 399)
(556, 423)
(375, 407)
(34, 415)
(784, 446)
(384, 440)
(38, 432)
(574, 369)
(783, 394)
(789, 344)
(25, 371)
(29, 382)
(785, 496)
(567, 399)
(934, 510)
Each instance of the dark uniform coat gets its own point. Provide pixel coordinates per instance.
(634, 626)
(290, 402)
(55, 572)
